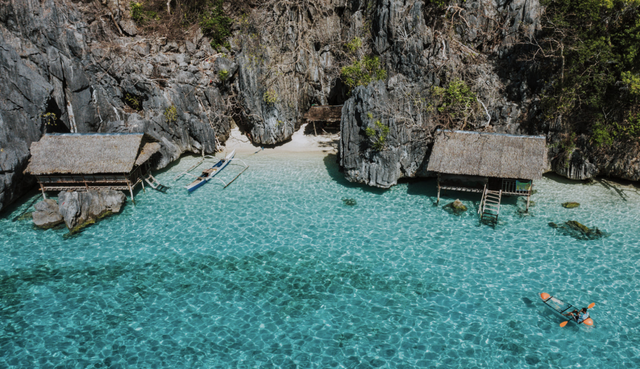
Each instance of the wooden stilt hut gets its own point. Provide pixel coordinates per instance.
(324, 117)
(488, 163)
(116, 161)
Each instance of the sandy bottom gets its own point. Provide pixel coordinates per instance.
(300, 143)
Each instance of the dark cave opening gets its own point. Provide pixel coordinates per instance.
(51, 118)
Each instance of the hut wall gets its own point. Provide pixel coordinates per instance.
(463, 181)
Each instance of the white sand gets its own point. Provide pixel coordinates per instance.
(300, 143)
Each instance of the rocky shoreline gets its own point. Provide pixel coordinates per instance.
(77, 210)
(86, 67)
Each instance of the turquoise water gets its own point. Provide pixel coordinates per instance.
(276, 271)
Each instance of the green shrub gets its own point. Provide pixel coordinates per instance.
(354, 44)
(216, 25)
(137, 13)
(270, 97)
(223, 74)
(49, 119)
(456, 100)
(632, 81)
(133, 101)
(362, 72)
(377, 135)
(600, 135)
(171, 114)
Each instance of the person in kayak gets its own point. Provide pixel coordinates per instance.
(583, 315)
(579, 316)
(574, 314)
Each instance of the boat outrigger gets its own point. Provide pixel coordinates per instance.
(207, 174)
(564, 309)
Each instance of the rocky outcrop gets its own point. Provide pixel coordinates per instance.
(402, 152)
(84, 66)
(579, 231)
(79, 209)
(419, 54)
(456, 207)
(47, 214)
(570, 205)
(66, 67)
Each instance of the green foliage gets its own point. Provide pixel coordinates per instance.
(171, 114)
(223, 74)
(593, 47)
(354, 44)
(215, 24)
(49, 119)
(633, 82)
(600, 135)
(362, 72)
(137, 14)
(456, 100)
(439, 3)
(133, 101)
(140, 15)
(377, 135)
(270, 97)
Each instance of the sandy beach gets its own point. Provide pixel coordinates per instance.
(300, 143)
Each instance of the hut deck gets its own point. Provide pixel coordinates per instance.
(461, 189)
(69, 187)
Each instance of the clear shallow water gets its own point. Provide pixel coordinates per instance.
(275, 271)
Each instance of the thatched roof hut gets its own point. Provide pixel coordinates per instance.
(89, 153)
(488, 155)
(117, 161)
(324, 113)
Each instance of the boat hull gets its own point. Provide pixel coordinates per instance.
(215, 169)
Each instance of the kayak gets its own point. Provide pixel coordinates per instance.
(562, 308)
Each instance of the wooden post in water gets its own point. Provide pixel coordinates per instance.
(131, 192)
(438, 200)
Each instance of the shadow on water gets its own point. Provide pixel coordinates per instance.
(427, 187)
(333, 169)
(13, 211)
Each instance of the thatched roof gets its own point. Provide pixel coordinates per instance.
(88, 153)
(488, 155)
(147, 152)
(325, 113)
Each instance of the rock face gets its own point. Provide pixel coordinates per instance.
(84, 66)
(65, 67)
(47, 214)
(80, 209)
(419, 55)
(404, 148)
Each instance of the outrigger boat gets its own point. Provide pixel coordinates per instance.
(564, 308)
(207, 174)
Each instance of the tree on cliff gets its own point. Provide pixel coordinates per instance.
(593, 47)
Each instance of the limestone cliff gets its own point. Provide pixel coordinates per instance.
(85, 66)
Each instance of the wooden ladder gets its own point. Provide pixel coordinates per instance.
(490, 206)
(153, 182)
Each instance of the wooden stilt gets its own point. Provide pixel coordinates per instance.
(131, 192)
(438, 200)
(43, 193)
(528, 197)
